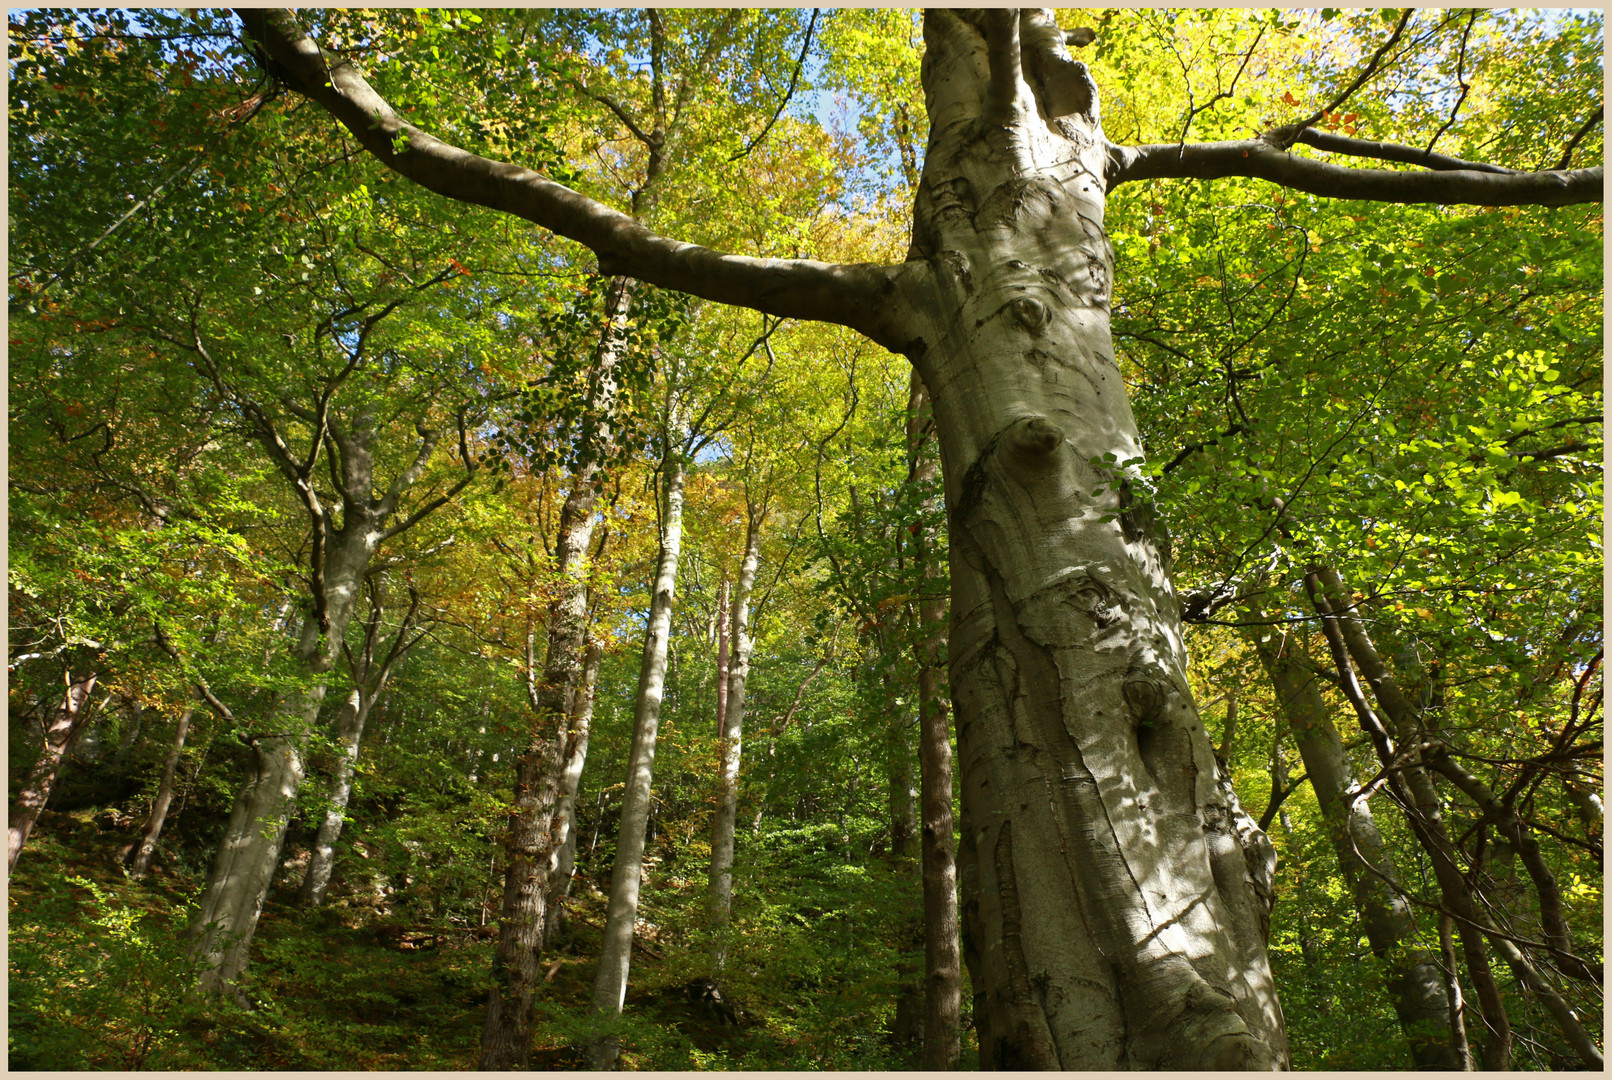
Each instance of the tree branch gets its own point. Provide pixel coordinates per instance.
(1283, 136)
(858, 296)
(1258, 158)
(1408, 155)
(800, 64)
(1572, 144)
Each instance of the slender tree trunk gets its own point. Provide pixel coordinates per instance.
(1410, 730)
(349, 731)
(576, 755)
(1116, 894)
(721, 657)
(943, 971)
(615, 950)
(65, 722)
(901, 760)
(369, 677)
(140, 864)
(1228, 736)
(130, 736)
(1452, 990)
(1416, 986)
(532, 852)
(724, 819)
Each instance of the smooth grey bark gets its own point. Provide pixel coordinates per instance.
(721, 656)
(1415, 981)
(1423, 812)
(576, 755)
(140, 863)
(369, 682)
(249, 852)
(1115, 892)
(1452, 991)
(621, 913)
(65, 723)
(943, 965)
(719, 904)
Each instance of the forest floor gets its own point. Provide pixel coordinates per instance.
(99, 980)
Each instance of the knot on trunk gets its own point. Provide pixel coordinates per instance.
(1030, 313)
(1034, 437)
(1145, 694)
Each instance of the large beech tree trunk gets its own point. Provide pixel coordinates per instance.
(615, 950)
(65, 722)
(1416, 982)
(532, 851)
(943, 971)
(140, 862)
(724, 818)
(1116, 895)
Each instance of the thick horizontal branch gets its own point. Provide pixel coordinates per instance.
(858, 296)
(1259, 159)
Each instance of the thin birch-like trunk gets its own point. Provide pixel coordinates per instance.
(66, 721)
(1421, 752)
(615, 949)
(369, 677)
(724, 819)
(1415, 982)
(576, 755)
(140, 864)
(943, 972)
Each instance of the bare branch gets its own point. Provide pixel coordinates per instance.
(1284, 136)
(1460, 79)
(1408, 155)
(1572, 144)
(1258, 158)
(800, 64)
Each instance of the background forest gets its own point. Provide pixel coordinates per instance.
(263, 390)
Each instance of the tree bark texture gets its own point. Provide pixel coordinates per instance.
(349, 730)
(65, 722)
(140, 863)
(1115, 895)
(615, 948)
(943, 966)
(721, 656)
(725, 817)
(1416, 986)
(249, 852)
(533, 847)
